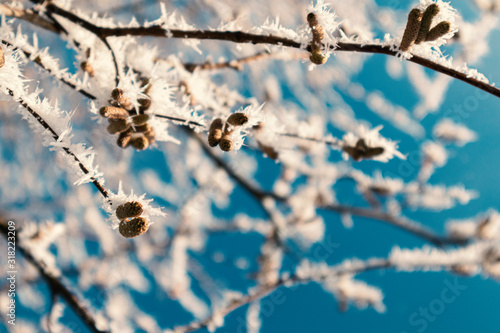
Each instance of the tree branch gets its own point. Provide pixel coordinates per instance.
(56, 284)
(399, 222)
(29, 16)
(45, 125)
(244, 37)
(263, 290)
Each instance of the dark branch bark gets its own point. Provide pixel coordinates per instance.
(243, 37)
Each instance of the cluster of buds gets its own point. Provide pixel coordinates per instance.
(132, 129)
(318, 33)
(131, 222)
(418, 28)
(222, 138)
(362, 151)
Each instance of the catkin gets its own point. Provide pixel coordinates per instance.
(237, 119)
(139, 142)
(113, 112)
(317, 33)
(427, 18)
(133, 228)
(124, 138)
(86, 67)
(2, 58)
(412, 29)
(142, 128)
(117, 126)
(215, 132)
(144, 104)
(140, 119)
(312, 19)
(439, 30)
(226, 144)
(317, 58)
(119, 96)
(129, 209)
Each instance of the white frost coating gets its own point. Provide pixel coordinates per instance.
(42, 56)
(450, 131)
(346, 289)
(461, 229)
(397, 115)
(13, 83)
(437, 197)
(254, 322)
(484, 226)
(435, 153)
(329, 21)
(385, 186)
(429, 258)
(432, 91)
(309, 232)
(38, 238)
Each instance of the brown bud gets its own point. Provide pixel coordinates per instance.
(140, 119)
(117, 126)
(117, 93)
(425, 25)
(113, 112)
(237, 119)
(226, 144)
(2, 59)
(144, 104)
(119, 97)
(215, 132)
(439, 30)
(317, 58)
(124, 138)
(134, 227)
(140, 142)
(318, 33)
(142, 128)
(312, 19)
(86, 67)
(412, 29)
(129, 209)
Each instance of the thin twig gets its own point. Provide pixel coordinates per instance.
(242, 37)
(399, 222)
(264, 290)
(56, 284)
(237, 64)
(45, 125)
(40, 63)
(29, 16)
(378, 215)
